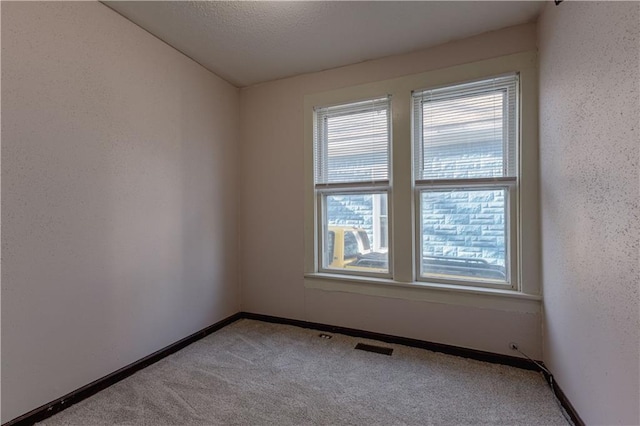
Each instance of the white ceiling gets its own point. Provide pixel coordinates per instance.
(248, 42)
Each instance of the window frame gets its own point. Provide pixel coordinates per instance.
(509, 183)
(323, 190)
(524, 293)
(321, 194)
(378, 217)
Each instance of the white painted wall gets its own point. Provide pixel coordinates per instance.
(272, 211)
(118, 198)
(590, 186)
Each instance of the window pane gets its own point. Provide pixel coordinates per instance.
(463, 137)
(350, 234)
(352, 142)
(467, 131)
(464, 234)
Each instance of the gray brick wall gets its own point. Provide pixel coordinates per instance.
(352, 210)
(464, 224)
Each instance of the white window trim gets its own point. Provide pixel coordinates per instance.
(526, 290)
(500, 183)
(325, 189)
(322, 211)
(377, 225)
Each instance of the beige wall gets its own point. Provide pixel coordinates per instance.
(119, 202)
(118, 198)
(590, 145)
(272, 211)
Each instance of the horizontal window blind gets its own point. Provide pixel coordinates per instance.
(351, 142)
(466, 131)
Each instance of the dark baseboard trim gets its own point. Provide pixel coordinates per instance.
(55, 406)
(435, 347)
(564, 401)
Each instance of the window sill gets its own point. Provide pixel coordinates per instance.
(484, 298)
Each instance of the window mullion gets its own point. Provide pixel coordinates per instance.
(401, 205)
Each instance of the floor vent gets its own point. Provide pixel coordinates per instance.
(376, 349)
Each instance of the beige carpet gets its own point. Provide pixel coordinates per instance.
(255, 373)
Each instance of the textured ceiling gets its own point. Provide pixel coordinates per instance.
(248, 42)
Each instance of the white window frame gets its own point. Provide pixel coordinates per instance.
(377, 224)
(524, 292)
(323, 190)
(322, 193)
(509, 184)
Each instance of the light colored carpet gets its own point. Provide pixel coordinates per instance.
(256, 373)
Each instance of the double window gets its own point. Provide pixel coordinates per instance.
(424, 184)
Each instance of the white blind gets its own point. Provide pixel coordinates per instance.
(467, 130)
(351, 142)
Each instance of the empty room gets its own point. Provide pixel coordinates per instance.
(320, 213)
